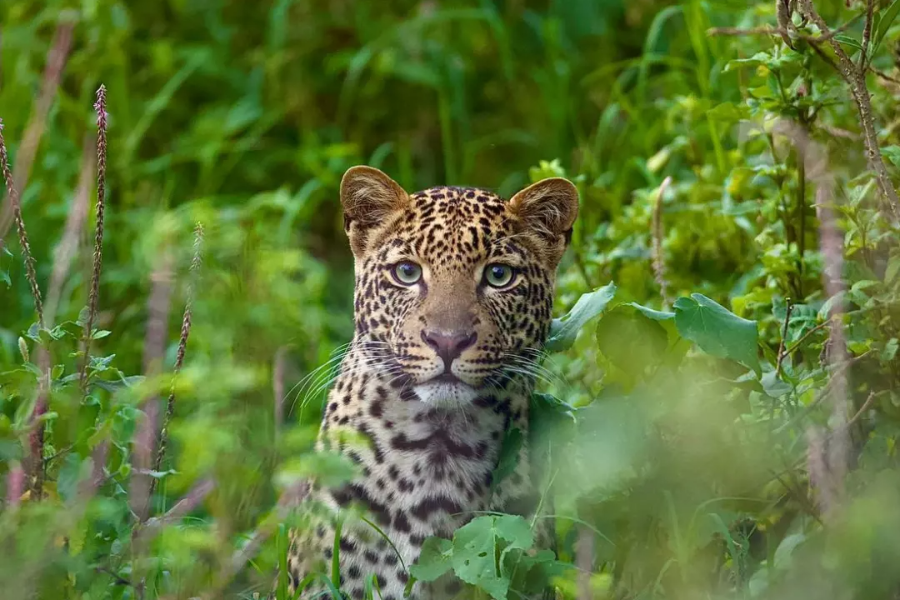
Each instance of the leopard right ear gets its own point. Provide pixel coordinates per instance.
(369, 198)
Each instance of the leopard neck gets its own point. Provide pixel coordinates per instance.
(417, 445)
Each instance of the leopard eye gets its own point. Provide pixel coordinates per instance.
(498, 276)
(407, 273)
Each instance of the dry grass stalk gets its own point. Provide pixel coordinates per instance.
(35, 461)
(30, 271)
(196, 263)
(659, 263)
(37, 123)
(100, 108)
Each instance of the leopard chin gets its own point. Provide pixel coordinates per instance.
(446, 394)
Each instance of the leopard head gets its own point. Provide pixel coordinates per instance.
(453, 285)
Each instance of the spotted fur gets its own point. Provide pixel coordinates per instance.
(432, 431)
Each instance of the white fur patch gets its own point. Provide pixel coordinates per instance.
(445, 394)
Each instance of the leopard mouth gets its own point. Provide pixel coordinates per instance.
(447, 377)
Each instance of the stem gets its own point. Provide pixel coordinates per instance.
(784, 333)
(100, 108)
(179, 359)
(855, 77)
(801, 217)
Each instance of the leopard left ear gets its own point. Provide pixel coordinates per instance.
(369, 198)
(548, 208)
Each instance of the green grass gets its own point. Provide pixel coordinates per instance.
(692, 475)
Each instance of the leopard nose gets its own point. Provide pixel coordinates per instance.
(448, 346)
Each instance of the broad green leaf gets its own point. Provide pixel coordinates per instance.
(716, 330)
(631, 342)
(475, 550)
(564, 330)
(434, 560)
(656, 315)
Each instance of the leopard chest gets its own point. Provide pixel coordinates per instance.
(422, 472)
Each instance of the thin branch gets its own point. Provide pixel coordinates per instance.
(784, 333)
(867, 36)
(855, 77)
(806, 335)
(781, 31)
(116, 577)
(182, 508)
(100, 108)
(862, 409)
(884, 75)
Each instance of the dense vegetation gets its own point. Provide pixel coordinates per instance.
(719, 412)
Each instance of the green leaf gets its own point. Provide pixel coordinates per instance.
(716, 330)
(99, 334)
(434, 560)
(69, 476)
(846, 39)
(774, 387)
(564, 330)
(161, 474)
(509, 456)
(656, 315)
(892, 153)
(475, 550)
(885, 21)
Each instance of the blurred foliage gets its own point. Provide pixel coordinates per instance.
(685, 438)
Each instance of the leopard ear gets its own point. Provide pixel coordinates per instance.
(369, 198)
(548, 208)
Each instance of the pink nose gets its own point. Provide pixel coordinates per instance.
(448, 346)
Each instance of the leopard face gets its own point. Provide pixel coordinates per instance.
(454, 286)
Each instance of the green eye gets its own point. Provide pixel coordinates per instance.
(407, 273)
(498, 275)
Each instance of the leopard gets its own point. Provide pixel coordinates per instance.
(453, 298)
